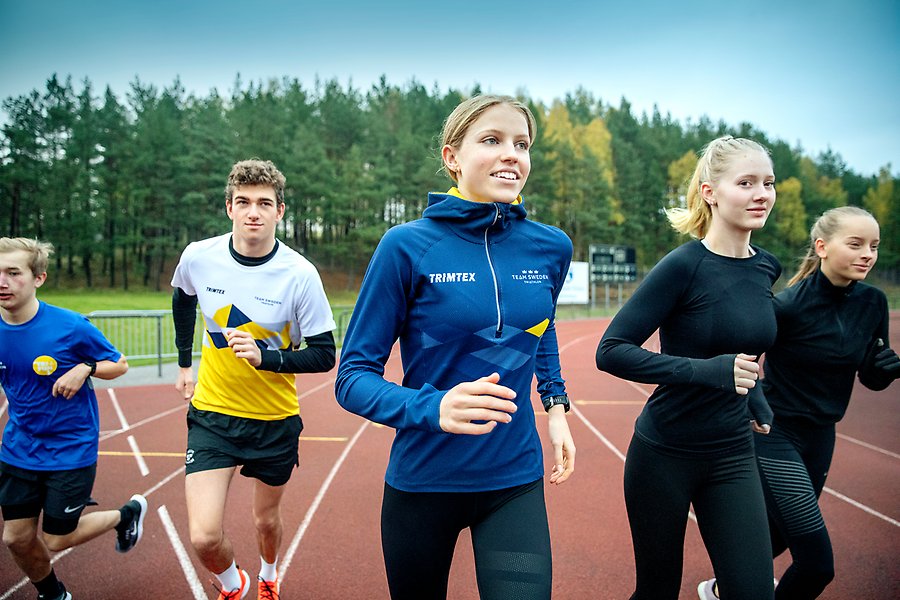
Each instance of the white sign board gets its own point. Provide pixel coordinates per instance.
(576, 287)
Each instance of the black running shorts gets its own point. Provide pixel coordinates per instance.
(267, 450)
(61, 495)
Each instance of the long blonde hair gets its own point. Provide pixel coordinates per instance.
(714, 162)
(825, 227)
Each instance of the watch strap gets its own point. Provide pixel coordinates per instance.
(551, 401)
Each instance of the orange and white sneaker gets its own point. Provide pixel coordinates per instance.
(268, 590)
(237, 593)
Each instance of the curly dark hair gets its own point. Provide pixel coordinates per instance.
(255, 172)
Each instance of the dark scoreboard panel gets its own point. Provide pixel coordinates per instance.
(612, 264)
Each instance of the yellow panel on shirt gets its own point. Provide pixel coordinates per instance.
(279, 303)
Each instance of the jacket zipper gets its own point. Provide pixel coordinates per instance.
(487, 251)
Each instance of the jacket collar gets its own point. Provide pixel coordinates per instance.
(822, 283)
(470, 219)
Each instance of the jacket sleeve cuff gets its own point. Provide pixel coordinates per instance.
(185, 358)
(716, 372)
(270, 360)
(760, 411)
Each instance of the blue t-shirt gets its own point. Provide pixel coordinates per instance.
(47, 433)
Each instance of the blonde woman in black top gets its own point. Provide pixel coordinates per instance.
(711, 300)
(832, 328)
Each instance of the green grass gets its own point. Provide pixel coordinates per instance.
(85, 301)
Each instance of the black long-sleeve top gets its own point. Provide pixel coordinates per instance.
(826, 337)
(708, 308)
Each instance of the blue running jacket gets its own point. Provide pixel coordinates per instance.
(469, 289)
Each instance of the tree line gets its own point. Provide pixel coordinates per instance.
(121, 185)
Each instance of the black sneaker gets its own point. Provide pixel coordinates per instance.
(64, 596)
(128, 532)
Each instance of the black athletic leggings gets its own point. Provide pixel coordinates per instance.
(793, 463)
(510, 537)
(731, 514)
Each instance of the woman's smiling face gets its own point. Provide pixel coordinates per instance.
(851, 252)
(492, 162)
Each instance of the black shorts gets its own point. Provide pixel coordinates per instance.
(267, 450)
(61, 495)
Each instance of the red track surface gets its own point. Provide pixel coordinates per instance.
(331, 510)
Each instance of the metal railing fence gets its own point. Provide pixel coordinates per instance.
(150, 334)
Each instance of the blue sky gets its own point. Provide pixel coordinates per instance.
(819, 74)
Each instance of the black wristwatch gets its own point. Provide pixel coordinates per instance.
(92, 365)
(551, 401)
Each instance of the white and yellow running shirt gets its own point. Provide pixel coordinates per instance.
(280, 302)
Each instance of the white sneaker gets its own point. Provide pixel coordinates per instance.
(706, 590)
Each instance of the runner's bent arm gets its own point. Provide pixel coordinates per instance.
(317, 357)
(184, 314)
(71, 381)
(656, 298)
(880, 366)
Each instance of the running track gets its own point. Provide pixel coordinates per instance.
(331, 547)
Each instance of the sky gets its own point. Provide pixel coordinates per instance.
(819, 75)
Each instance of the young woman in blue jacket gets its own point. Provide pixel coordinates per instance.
(470, 291)
(832, 329)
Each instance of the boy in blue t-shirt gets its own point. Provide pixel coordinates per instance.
(48, 456)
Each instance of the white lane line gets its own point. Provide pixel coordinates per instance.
(315, 389)
(142, 464)
(638, 387)
(580, 415)
(183, 559)
(577, 340)
(599, 435)
(118, 409)
(610, 445)
(869, 446)
(164, 481)
(862, 506)
(111, 434)
(596, 432)
(295, 543)
(24, 581)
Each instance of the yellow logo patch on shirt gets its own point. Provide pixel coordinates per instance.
(44, 365)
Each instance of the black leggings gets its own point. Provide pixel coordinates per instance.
(793, 463)
(730, 510)
(510, 537)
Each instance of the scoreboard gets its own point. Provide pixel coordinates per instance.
(612, 264)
